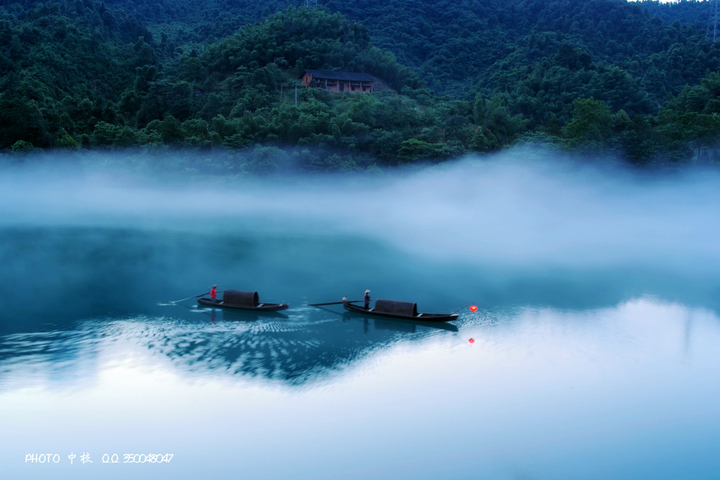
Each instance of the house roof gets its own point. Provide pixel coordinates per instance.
(350, 76)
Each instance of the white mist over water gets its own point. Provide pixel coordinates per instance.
(593, 355)
(504, 212)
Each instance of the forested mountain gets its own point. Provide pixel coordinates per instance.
(695, 12)
(638, 80)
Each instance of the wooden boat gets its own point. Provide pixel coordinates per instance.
(238, 300)
(403, 310)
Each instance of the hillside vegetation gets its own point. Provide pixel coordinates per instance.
(599, 76)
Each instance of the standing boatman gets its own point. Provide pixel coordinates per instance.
(213, 293)
(367, 299)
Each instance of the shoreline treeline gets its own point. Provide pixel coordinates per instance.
(601, 76)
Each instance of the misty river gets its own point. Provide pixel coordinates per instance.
(593, 353)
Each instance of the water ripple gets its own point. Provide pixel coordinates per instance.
(293, 350)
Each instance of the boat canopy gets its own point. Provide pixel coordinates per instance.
(236, 297)
(396, 308)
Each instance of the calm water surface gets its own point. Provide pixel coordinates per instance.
(591, 355)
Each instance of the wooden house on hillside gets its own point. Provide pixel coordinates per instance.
(342, 81)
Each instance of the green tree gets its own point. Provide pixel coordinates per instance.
(591, 127)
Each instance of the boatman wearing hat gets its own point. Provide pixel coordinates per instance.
(213, 293)
(367, 299)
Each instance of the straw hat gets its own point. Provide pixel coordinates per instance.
(367, 291)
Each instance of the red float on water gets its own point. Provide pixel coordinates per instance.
(472, 340)
(473, 308)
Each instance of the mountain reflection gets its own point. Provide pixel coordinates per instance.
(304, 346)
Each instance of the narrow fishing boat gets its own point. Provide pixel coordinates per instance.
(403, 310)
(238, 300)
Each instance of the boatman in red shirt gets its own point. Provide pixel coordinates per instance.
(213, 293)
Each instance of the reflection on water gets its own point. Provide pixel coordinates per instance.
(303, 345)
(624, 392)
(593, 355)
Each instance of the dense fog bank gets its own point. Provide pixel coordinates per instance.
(507, 211)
